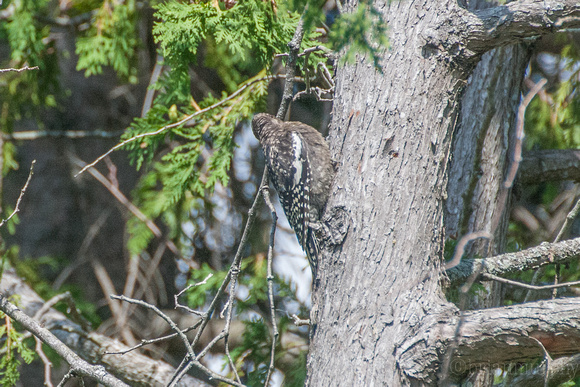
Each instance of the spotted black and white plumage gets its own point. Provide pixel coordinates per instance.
(301, 170)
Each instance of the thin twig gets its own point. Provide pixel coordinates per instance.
(310, 50)
(71, 309)
(69, 375)
(181, 334)
(528, 286)
(294, 46)
(25, 68)
(572, 215)
(167, 319)
(186, 308)
(460, 248)
(46, 361)
(517, 158)
(145, 342)
(548, 359)
(270, 278)
(235, 271)
(22, 191)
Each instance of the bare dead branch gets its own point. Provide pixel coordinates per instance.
(193, 359)
(80, 366)
(532, 258)
(298, 321)
(288, 93)
(68, 376)
(22, 192)
(186, 308)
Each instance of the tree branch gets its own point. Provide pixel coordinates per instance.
(511, 23)
(503, 264)
(494, 336)
(554, 323)
(79, 366)
(466, 35)
(22, 192)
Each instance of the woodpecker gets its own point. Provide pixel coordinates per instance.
(301, 170)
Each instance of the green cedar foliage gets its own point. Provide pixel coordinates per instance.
(553, 118)
(362, 31)
(23, 95)
(13, 349)
(111, 40)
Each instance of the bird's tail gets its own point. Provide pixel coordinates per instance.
(312, 251)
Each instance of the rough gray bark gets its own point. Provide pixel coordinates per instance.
(379, 308)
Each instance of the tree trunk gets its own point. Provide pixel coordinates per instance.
(477, 200)
(391, 134)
